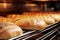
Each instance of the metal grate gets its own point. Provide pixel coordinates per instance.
(49, 33)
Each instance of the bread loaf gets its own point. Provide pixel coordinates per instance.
(9, 30)
(31, 23)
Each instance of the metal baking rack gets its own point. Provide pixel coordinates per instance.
(50, 33)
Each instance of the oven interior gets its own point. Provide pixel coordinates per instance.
(20, 6)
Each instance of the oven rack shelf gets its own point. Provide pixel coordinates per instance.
(49, 33)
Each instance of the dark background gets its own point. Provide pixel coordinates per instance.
(18, 6)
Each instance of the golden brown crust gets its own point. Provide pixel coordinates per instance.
(33, 20)
(9, 30)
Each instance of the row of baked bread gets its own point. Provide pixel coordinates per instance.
(28, 20)
(35, 20)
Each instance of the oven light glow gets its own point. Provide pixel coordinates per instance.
(5, 5)
(41, 0)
